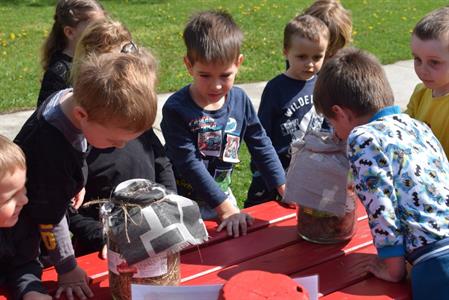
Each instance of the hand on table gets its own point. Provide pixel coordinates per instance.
(235, 222)
(390, 269)
(74, 282)
(33, 295)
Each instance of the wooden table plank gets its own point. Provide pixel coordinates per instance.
(291, 259)
(373, 289)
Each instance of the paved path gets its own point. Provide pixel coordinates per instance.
(401, 76)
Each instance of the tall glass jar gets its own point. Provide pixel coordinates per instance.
(326, 227)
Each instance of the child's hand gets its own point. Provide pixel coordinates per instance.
(103, 254)
(77, 201)
(281, 190)
(389, 269)
(74, 282)
(232, 219)
(36, 296)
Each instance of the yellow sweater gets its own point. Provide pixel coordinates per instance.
(434, 111)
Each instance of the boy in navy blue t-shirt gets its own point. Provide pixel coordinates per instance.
(286, 110)
(204, 122)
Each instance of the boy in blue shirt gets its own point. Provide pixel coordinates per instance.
(399, 168)
(286, 110)
(204, 122)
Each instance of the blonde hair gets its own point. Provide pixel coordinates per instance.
(337, 19)
(305, 26)
(212, 36)
(101, 36)
(118, 89)
(67, 13)
(11, 157)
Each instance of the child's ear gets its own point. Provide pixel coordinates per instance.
(79, 114)
(69, 32)
(339, 112)
(285, 52)
(240, 60)
(188, 64)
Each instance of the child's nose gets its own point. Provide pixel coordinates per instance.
(23, 199)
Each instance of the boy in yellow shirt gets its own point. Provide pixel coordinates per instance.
(430, 48)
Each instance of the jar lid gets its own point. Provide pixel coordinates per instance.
(138, 191)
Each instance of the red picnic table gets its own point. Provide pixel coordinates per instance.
(273, 245)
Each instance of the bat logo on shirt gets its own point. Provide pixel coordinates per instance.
(366, 143)
(423, 240)
(396, 118)
(418, 171)
(389, 175)
(415, 199)
(431, 146)
(432, 174)
(434, 225)
(378, 211)
(399, 133)
(380, 231)
(447, 200)
(366, 162)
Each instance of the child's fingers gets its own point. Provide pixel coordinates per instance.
(221, 226)
(236, 228)
(243, 225)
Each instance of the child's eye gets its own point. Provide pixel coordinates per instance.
(204, 75)
(433, 62)
(317, 57)
(417, 59)
(302, 57)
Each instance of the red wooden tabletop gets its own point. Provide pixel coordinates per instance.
(273, 245)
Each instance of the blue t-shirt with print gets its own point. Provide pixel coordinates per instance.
(203, 145)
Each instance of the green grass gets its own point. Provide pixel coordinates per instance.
(380, 26)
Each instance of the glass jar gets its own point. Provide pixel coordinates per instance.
(159, 270)
(325, 227)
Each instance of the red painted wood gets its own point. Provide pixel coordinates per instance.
(234, 251)
(291, 259)
(373, 289)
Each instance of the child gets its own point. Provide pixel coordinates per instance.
(430, 48)
(204, 122)
(337, 19)
(399, 169)
(19, 239)
(71, 17)
(113, 101)
(143, 157)
(286, 108)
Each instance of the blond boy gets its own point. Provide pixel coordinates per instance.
(430, 48)
(19, 238)
(204, 122)
(113, 101)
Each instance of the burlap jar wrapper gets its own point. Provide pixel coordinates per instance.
(318, 174)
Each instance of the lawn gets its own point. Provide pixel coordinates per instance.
(380, 26)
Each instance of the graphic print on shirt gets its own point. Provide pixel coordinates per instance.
(209, 143)
(297, 128)
(230, 153)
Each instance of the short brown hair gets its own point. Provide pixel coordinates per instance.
(434, 25)
(352, 79)
(305, 26)
(212, 36)
(337, 19)
(118, 89)
(11, 157)
(99, 37)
